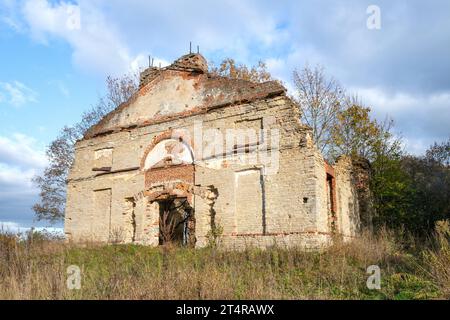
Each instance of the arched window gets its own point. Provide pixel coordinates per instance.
(168, 152)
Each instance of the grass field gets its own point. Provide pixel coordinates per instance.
(36, 268)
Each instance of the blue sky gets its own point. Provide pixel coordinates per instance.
(55, 55)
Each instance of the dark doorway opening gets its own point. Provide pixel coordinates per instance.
(176, 222)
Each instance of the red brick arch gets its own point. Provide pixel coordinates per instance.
(166, 135)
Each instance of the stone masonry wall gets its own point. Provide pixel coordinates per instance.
(111, 198)
(293, 200)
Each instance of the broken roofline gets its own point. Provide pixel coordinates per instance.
(239, 92)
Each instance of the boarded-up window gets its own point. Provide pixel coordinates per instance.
(103, 158)
(248, 132)
(249, 202)
(102, 215)
(129, 221)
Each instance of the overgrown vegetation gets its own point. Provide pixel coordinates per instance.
(412, 192)
(230, 69)
(37, 269)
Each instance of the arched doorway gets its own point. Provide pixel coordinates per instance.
(168, 166)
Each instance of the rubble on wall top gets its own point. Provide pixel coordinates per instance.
(192, 62)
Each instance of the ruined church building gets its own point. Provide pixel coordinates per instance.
(162, 168)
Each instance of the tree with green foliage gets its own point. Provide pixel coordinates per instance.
(356, 134)
(413, 192)
(429, 178)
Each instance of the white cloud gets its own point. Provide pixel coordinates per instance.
(21, 158)
(44, 18)
(409, 105)
(297, 57)
(22, 151)
(420, 118)
(14, 227)
(143, 61)
(14, 176)
(95, 42)
(16, 93)
(8, 225)
(114, 37)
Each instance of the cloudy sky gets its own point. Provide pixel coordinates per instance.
(54, 56)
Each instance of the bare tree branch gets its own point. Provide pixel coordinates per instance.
(320, 99)
(60, 152)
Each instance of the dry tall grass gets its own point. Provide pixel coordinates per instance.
(38, 270)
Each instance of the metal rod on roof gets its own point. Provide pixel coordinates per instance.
(190, 47)
(198, 49)
(149, 61)
(152, 61)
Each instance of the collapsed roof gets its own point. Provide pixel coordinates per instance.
(180, 90)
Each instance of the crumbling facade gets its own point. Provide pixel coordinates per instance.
(193, 157)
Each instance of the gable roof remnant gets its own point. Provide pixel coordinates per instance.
(193, 63)
(213, 92)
